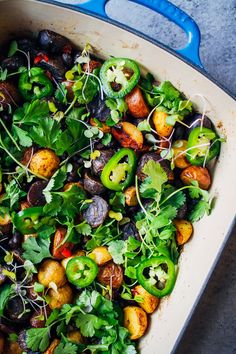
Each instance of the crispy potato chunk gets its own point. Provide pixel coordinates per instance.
(60, 297)
(130, 196)
(184, 231)
(44, 163)
(128, 135)
(149, 302)
(111, 274)
(102, 126)
(179, 148)
(135, 320)
(137, 106)
(52, 347)
(159, 120)
(196, 173)
(51, 271)
(75, 336)
(100, 255)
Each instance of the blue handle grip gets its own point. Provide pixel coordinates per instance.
(170, 11)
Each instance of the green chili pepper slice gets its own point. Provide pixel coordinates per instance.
(157, 275)
(119, 171)
(81, 271)
(34, 86)
(28, 220)
(203, 145)
(119, 76)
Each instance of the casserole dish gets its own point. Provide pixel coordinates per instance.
(201, 253)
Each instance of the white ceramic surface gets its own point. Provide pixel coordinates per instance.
(210, 234)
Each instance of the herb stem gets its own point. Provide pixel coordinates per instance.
(10, 136)
(70, 106)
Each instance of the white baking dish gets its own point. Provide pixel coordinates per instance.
(210, 234)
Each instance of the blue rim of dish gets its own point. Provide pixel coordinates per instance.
(143, 36)
(203, 72)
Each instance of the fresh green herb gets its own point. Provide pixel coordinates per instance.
(36, 249)
(5, 292)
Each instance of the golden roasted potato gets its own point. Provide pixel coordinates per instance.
(12, 348)
(150, 302)
(2, 342)
(159, 121)
(128, 135)
(69, 185)
(60, 297)
(135, 320)
(100, 255)
(102, 126)
(52, 347)
(24, 205)
(111, 274)
(179, 147)
(196, 173)
(75, 336)
(5, 219)
(44, 163)
(58, 251)
(51, 271)
(130, 196)
(93, 64)
(184, 231)
(137, 106)
(76, 254)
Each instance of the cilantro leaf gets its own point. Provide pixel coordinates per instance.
(13, 193)
(36, 249)
(56, 182)
(89, 323)
(83, 228)
(117, 250)
(31, 112)
(168, 89)
(37, 339)
(63, 348)
(23, 136)
(199, 210)
(157, 175)
(46, 132)
(117, 202)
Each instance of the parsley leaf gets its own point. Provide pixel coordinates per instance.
(37, 339)
(63, 348)
(46, 132)
(117, 250)
(13, 193)
(31, 112)
(89, 323)
(199, 210)
(156, 174)
(36, 249)
(23, 136)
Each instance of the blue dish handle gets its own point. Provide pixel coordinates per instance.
(170, 11)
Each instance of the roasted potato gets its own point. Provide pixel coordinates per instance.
(161, 127)
(12, 348)
(52, 347)
(28, 154)
(130, 196)
(5, 219)
(51, 271)
(196, 173)
(128, 135)
(44, 163)
(2, 342)
(111, 274)
(135, 320)
(149, 302)
(184, 231)
(179, 148)
(76, 254)
(100, 255)
(137, 106)
(58, 249)
(75, 336)
(69, 185)
(101, 126)
(93, 64)
(157, 158)
(60, 297)
(24, 205)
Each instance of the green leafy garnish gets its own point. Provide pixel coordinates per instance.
(36, 249)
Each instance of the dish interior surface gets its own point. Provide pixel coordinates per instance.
(210, 234)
